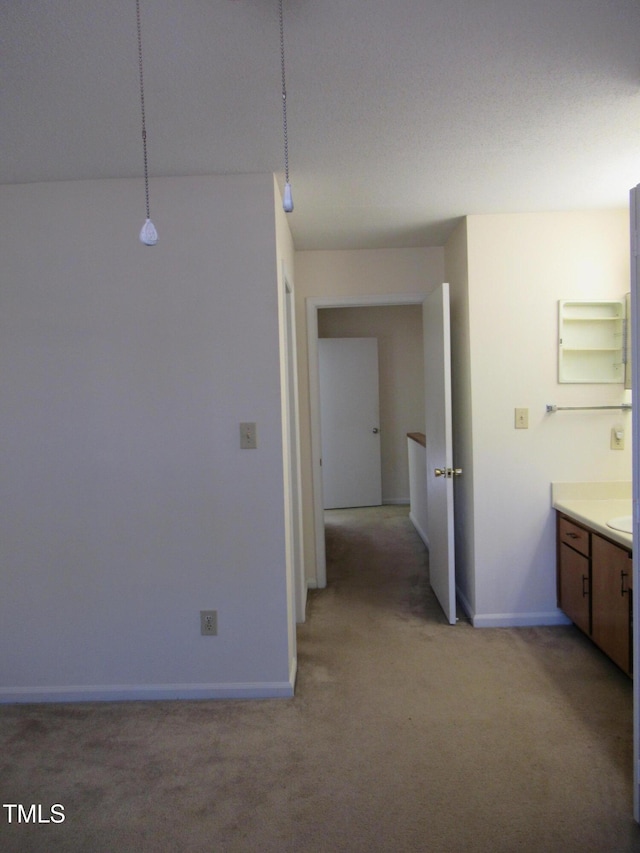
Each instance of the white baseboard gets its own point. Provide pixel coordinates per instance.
(519, 620)
(460, 597)
(152, 692)
(511, 620)
(421, 533)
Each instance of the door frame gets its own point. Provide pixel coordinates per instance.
(634, 210)
(292, 464)
(314, 304)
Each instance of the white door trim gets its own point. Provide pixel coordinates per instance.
(314, 304)
(635, 476)
(293, 444)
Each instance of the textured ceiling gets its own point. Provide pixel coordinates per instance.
(404, 115)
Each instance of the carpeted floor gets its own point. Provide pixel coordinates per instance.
(405, 734)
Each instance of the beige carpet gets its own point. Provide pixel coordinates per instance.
(405, 734)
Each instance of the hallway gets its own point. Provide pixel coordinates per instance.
(483, 739)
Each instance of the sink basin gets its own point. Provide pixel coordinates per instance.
(623, 523)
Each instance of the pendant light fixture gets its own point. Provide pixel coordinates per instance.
(287, 202)
(148, 233)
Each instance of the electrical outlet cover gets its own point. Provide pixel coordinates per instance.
(617, 438)
(209, 623)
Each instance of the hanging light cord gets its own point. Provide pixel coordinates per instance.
(284, 99)
(148, 234)
(288, 200)
(144, 126)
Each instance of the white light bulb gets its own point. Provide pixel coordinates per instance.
(287, 202)
(148, 233)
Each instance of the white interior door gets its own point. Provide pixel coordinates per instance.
(350, 422)
(440, 470)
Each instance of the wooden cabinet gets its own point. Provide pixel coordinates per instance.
(594, 588)
(574, 572)
(611, 599)
(575, 588)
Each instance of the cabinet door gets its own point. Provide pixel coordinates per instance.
(611, 573)
(574, 587)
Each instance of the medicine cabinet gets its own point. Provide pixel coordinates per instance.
(592, 341)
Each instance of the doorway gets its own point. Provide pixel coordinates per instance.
(326, 317)
(350, 420)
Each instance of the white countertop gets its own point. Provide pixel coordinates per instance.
(594, 504)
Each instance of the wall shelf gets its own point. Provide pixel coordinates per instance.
(591, 346)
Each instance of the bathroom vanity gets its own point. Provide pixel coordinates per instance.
(594, 563)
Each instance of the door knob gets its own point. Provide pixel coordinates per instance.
(440, 472)
(376, 430)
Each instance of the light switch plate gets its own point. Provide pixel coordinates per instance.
(522, 418)
(248, 436)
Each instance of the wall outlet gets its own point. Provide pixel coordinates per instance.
(617, 438)
(248, 436)
(209, 623)
(521, 419)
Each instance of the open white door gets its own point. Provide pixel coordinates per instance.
(350, 419)
(440, 470)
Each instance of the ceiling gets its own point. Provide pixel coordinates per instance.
(403, 115)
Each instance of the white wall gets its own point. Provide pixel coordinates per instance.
(126, 503)
(398, 330)
(342, 274)
(519, 266)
